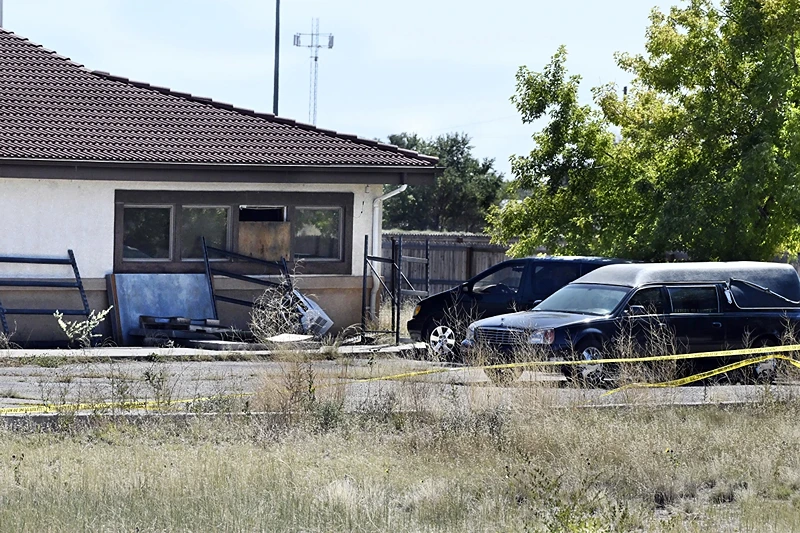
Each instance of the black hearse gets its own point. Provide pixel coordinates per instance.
(508, 286)
(706, 307)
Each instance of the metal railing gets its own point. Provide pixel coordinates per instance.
(43, 283)
(280, 266)
(399, 285)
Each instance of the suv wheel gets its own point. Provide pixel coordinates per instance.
(441, 339)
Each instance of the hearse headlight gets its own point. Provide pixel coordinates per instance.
(417, 309)
(471, 332)
(542, 336)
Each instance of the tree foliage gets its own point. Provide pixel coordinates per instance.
(701, 155)
(462, 195)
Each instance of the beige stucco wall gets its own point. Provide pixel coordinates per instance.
(339, 296)
(44, 217)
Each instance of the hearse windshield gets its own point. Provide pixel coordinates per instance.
(584, 299)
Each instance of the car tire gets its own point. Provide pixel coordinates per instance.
(592, 376)
(767, 372)
(442, 341)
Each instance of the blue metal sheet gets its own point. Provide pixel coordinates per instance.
(133, 295)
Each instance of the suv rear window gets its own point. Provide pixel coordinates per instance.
(549, 277)
(693, 299)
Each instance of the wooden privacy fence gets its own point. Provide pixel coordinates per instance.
(453, 258)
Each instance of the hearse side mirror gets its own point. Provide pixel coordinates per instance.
(466, 288)
(636, 310)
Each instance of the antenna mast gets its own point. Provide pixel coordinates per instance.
(313, 73)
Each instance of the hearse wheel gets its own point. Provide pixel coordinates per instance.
(766, 372)
(590, 376)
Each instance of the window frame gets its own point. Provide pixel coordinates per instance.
(232, 200)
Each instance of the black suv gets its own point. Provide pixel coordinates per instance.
(508, 286)
(705, 307)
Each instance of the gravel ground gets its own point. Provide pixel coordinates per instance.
(70, 377)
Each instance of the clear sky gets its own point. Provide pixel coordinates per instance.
(423, 66)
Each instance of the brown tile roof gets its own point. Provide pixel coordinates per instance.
(54, 109)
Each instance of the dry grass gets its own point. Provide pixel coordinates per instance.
(433, 453)
(671, 469)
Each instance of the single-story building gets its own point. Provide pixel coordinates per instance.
(130, 176)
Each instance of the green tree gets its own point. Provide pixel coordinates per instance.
(705, 158)
(462, 195)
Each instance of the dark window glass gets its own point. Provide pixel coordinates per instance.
(651, 299)
(261, 214)
(146, 233)
(694, 299)
(317, 233)
(549, 277)
(506, 279)
(199, 222)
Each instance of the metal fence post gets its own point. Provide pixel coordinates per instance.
(364, 292)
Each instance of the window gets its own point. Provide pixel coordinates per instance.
(257, 213)
(146, 233)
(651, 299)
(693, 299)
(162, 231)
(199, 222)
(580, 298)
(507, 280)
(318, 233)
(549, 277)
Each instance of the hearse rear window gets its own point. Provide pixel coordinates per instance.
(693, 299)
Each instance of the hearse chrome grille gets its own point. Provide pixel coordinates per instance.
(500, 336)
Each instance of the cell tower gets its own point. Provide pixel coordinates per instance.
(313, 74)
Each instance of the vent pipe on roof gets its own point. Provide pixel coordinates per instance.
(277, 55)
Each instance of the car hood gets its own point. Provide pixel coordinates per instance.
(530, 320)
(435, 301)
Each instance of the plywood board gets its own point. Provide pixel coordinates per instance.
(265, 240)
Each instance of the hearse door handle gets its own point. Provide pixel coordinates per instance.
(716, 324)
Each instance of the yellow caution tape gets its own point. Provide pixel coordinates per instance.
(699, 355)
(705, 375)
(769, 351)
(148, 405)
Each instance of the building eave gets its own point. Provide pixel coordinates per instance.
(215, 173)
